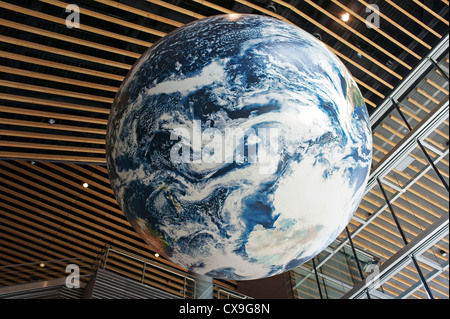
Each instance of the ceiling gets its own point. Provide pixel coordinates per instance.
(57, 85)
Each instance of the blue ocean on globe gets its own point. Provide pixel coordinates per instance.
(238, 146)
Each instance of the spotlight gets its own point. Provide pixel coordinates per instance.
(42, 265)
(346, 17)
(156, 255)
(51, 121)
(85, 185)
(443, 253)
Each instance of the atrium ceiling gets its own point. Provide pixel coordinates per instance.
(57, 85)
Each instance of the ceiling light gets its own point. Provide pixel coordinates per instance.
(42, 265)
(85, 185)
(156, 255)
(51, 121)
(345, 17)
(443, 253)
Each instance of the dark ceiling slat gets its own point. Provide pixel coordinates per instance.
(48, 90)
(49, 126)
(53, 103)
(142, 13)
(101, 224)
(51, 137)
(52, 115)
(63, 148)
(61, 21)
(415, 19)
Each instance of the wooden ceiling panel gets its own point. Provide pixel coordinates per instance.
(57, 85)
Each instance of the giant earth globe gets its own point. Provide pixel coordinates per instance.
(238, 146)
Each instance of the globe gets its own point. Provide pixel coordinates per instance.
(238, 146)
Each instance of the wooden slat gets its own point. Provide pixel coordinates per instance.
(177, 9)
(142, 13)
(420, 106)
(413, 18)
(52, 157)
(52, 214)
(52, 137)
(47, 90)
(392, 251)
(60, 66)
(385, 17)
(434, 14)
(340, 55)
(52, 242)
(418, 119)
(327, 30)
(91, 181)
(65, 105)
(421, 184)
(428, 96)
(440, 88)
(129, 243)
(109, 219)
(67, 53)
(51, 147)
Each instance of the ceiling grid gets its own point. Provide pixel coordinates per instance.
(57, 85)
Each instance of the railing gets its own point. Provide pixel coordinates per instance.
(141, 269)
(157, 275)
(148, 268)
(229, 294)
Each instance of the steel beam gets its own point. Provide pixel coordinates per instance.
(415, 75)
(398, 261)
(409, 142)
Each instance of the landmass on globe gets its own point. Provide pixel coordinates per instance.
(236, 217)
